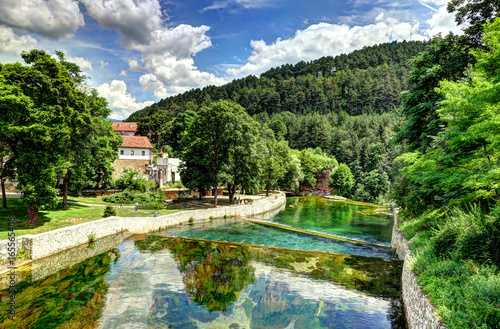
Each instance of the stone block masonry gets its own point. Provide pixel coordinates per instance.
(44, 244)
(420, 313)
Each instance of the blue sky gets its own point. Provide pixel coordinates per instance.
(139, 51)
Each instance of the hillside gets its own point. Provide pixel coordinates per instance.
(369, 80)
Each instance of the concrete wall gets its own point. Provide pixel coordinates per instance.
(420, 313)
(44, 244)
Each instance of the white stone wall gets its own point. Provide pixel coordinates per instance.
(44, 244)
(420, 313)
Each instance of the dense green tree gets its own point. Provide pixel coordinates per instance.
(212, 153)
(463, 165)
(36, 116)
(342, 179)
(275, 154)
(446, 58)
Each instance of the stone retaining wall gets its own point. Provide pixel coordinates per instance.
(420, 313)
(44, 244)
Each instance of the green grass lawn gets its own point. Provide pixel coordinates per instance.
(54, 219)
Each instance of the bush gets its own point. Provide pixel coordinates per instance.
(109, 211)
(132, 179)
(131, 197)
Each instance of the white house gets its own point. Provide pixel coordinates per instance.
(135, 152)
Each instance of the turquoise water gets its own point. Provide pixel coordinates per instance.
(328, 216)
(244, 232)
(151, 281)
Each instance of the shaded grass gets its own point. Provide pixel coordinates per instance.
(54, 219)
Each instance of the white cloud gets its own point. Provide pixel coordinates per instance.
(123, 73)
(103, 64)
(52, 18)
(166, 53)
(83, 63)
(11, 43)
(442, 22)
(324, 39)
(133, 20)
(122, 103)
(247, 4)
(151, 83)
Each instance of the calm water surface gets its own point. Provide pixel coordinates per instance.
(182, 282)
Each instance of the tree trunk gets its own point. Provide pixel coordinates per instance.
(231, 193)
(4, 196)
(65, 189)
(215, 196)
(33, 215)
(267, 191)
(201, 190)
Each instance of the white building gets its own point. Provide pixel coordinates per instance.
(135, 152)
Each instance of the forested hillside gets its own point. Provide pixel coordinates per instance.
(345, 107)
(366, 81)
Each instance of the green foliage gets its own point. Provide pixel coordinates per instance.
(131, 179)
(342, 179)
(462, 167)
(92, 237)
(219, 146)
(109, 211)
(456, 258)
(22, 254)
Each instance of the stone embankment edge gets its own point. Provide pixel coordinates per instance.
(420, 313)
(47, 243)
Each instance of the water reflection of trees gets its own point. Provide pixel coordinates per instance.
(207, 265)
(71, 298)
(214, 273)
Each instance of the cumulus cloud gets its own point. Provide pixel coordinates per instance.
(166, 53)
(83, 63)
(324, 39)
(51, 18)
(133, 20)
(150, 82)
(122, 103)
(442, 22)
(11, 43)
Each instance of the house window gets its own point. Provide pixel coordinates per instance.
(131, 152)
(143, 153)
(122, 152)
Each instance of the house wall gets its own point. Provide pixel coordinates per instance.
(122, 164)
(137, 153)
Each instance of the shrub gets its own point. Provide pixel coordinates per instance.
(109, 211)
(191, 220)
(131, 197)
(132, 179)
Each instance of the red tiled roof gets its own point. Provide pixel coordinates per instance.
(136, 141)
(125, 126)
